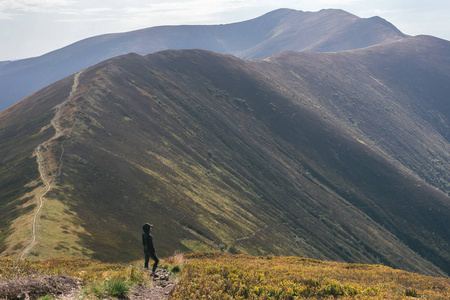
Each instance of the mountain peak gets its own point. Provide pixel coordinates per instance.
(280, 30)
(336, 11)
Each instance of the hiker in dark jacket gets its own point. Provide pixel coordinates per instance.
(149, 250)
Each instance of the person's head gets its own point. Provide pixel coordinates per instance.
(147, 227)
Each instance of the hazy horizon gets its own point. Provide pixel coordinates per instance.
(34, 27)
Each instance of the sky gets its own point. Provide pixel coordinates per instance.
(30, 28)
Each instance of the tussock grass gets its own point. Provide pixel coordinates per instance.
(176, 259)
(175, 262)
(115, 287)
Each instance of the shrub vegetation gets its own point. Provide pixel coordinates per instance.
(216, 276)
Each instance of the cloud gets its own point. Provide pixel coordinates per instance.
(59, 8)
(196, 7)
(85, 11)
(11, 8)
(339, 2)
(146, 13)
(184, 12)
(139, 13)
(5, 16)
(32, 5)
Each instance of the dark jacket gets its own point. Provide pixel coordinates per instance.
(147, 241)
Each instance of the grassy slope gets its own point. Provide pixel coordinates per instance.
(211, 153)
(20, 133)
(393, 99)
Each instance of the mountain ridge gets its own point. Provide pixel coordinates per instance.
(246, 156)
(283, 29)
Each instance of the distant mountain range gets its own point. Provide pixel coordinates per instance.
(341, 156)
(280, 30)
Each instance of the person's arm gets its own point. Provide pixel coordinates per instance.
(143, 240)
(150, 244)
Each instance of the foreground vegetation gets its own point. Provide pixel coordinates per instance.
(224, 276)
(269, 277)
(93, 279)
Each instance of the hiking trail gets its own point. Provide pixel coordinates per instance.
(46, 164)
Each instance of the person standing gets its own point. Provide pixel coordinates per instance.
(149, 249)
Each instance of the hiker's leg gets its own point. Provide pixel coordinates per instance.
(147, 258)
(155, 258)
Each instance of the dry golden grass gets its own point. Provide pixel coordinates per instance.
(218, 276)
(176, 259)
(84, 269)
(222, 276)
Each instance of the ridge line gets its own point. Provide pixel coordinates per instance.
(41, 166)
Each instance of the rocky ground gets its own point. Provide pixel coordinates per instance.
(160, 290)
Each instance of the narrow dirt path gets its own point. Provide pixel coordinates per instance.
(41, 202)
(44, 168)
(161, 288)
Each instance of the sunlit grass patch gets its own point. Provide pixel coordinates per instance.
(58, 232)
(267, 277)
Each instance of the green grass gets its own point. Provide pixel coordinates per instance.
(59, 231)
(117, 287)
(93, 289)
(137, 275)
(175, 269)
